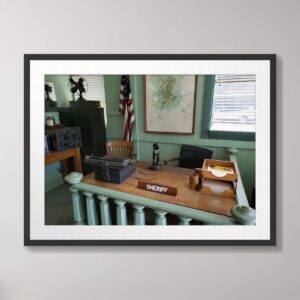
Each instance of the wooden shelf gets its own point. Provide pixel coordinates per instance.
(63, 156)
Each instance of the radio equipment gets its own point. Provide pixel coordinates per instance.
(63, 138)
(110, 169)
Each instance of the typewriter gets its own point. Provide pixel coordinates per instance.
(110, 169)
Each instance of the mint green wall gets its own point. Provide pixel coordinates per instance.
(114, 128)
(169, 144)
(62, 89)
(53, 178)
(112, 96)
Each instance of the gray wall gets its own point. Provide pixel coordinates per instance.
(148, 27)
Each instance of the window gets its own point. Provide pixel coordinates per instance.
(229, 107)
(94, 85)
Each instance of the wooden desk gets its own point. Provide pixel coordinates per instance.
(170, 176)
(63, 156)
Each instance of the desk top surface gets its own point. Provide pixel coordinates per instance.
(169, 176)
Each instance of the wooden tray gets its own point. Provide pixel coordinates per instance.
(208, 172)
(218, 188)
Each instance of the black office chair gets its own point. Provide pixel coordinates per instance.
(191, 157)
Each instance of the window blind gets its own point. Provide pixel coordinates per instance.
(95, 91)
(233, 107)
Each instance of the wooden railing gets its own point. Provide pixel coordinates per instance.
(241, 197)
(84, 197)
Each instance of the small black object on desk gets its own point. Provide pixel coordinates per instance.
(155, 158)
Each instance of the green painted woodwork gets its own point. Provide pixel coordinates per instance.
(240, 191)
(207, 105)
(184, 220)
(114, 118)
(139, 214)
(246, 162)
(185, 214)
(104, 210)
(159, 206)
(207, 112)
(160, 217)
(135, 82)
(92, 216)
(78, 207)
(121, 211)
(244, 215)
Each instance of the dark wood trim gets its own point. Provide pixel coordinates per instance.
(170, 132)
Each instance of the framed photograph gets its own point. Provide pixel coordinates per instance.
(166, 98)
(150, 149)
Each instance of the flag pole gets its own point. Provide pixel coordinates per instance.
(128, 121)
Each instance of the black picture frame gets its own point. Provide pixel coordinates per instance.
(28, 58)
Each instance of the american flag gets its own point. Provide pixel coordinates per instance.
(126, 107)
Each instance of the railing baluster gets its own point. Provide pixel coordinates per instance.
(160, 217)
(104, 210)
(91, 209)
(184, 220)
(139, 214)
(121, 212)
(184, 214)
(78, 207)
